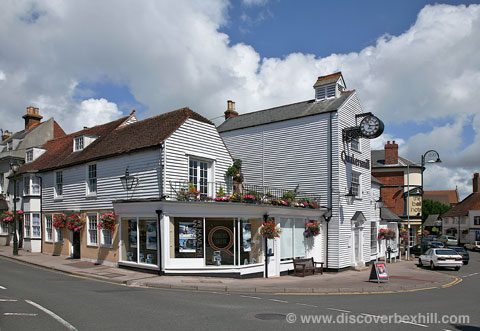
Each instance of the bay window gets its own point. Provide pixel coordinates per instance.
(31, 185)
(26, 224)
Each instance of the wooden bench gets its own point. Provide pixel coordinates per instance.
(302, 265)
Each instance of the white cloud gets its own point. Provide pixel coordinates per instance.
(2, 75)
(437, 177)
(171, 54)
(380, 142)
(254, 2)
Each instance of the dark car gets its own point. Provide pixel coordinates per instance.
(419, 249)
(463, 253)
(429, 238)
(436, 244)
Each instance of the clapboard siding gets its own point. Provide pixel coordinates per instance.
(198, 140)
(144, 165)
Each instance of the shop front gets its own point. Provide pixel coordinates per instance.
(213, 239)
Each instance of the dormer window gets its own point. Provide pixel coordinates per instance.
(78, 144)
(29, 156)
(329, 87)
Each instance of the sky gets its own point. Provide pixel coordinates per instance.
(414, 64)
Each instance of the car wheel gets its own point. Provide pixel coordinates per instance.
(432, 266)
(457, 268)
(420, 263)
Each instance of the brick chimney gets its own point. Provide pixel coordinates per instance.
(32, 118)
(230, 112)
(6, 134)
(476, 183)
(391, 153)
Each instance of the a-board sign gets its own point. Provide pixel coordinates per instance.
(379, 272)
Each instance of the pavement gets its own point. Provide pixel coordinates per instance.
(405, 276)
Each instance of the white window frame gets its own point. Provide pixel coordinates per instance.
(356, 186)
(48, 228)
(58, 232)
(90, 180)
(294, 238)
(92, 229)
(476, 220)
(78, 143)
(27, 223)
(57, 184)
(36, 230)
(197, 172)
(31, 186)
(106, 238)
(29, 155)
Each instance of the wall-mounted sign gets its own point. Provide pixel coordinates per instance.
(415, 205)
(354, 161)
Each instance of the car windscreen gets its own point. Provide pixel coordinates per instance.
(445, 252)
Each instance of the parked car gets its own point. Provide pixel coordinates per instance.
(462, 252)
(448, 240)
(437, 244)
(418, 249)
(473, 246)
(441, 257)
(429, 238)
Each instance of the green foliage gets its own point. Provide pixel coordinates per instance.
(234, 169)
(220, 192)
(430, 207)
(289, 195)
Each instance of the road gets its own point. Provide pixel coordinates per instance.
(32, 298)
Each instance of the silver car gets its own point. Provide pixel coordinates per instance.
(441, 257)
(448, 240)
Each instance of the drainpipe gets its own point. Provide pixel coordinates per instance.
(41, 213)
(160, 252)
(265, 218)
(330, 181)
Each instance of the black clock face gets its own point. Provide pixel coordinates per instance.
(371, 127)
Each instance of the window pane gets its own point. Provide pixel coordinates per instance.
(26, 221)
(299, 238)
(148, 241)
(36, 225)
(129, 240)
(59, 183)
(92, 230)
(26, 185)
(220, 241)
(35, 185)
(92, 178)
(187, 235)
(251, 241)
(106, 237)
(203, 177)
(286, 239)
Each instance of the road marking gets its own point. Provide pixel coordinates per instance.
(305, 304)
(340, 310)
(281, 301)
(246, 296)
(8, 300)
(2, 288)
(422, 325)
(52, 314)
(19, 314)
(470, 275)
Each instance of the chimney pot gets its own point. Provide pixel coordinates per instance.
(32, 118)
(230, 112)
(476, 183)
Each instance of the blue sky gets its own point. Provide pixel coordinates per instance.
(416, 64)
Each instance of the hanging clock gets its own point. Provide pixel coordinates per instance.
(371, 127)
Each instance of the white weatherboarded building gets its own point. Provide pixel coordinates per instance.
(302, 146)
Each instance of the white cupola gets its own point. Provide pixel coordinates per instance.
(329, 87)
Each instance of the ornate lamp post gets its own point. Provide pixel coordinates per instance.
(128, 182)
(14, 166)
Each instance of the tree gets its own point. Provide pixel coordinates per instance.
(430, 207)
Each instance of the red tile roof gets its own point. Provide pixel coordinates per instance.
(447, 197)
(472, 202)
(113, 139)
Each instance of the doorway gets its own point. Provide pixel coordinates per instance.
(75, 244)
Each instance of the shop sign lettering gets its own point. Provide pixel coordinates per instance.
(354, 161)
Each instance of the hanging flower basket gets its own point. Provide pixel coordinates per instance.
(403, 234)
(108, 221)
(75, 223)
(385, 234)
(60, 221)
(270, 230)
(312, 229)
(7, 216)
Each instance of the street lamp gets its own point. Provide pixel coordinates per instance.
(128, 182)
(430, 156)
(14, 166)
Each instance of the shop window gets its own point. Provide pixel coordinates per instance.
(373, 238)
(220, 241)
(48, 228)
(292, 239)
(92, 238)
(188, 237)
(251, 241)
(139, 241)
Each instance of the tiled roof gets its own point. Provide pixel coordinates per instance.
(328, 79)
(283, 113)
(472, 202)
(432, 220)
(447, 197)
(112, 140)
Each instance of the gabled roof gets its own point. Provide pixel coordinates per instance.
(113, 139)
(378, 161)
(283, 113)
(472, 202)
(57, 131)
(332, 78)
(447, 197)
(433, 220)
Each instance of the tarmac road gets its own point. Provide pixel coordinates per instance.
(48, 300)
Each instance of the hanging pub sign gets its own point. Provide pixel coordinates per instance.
(379, 272)
(415, 205)
(354, 161)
